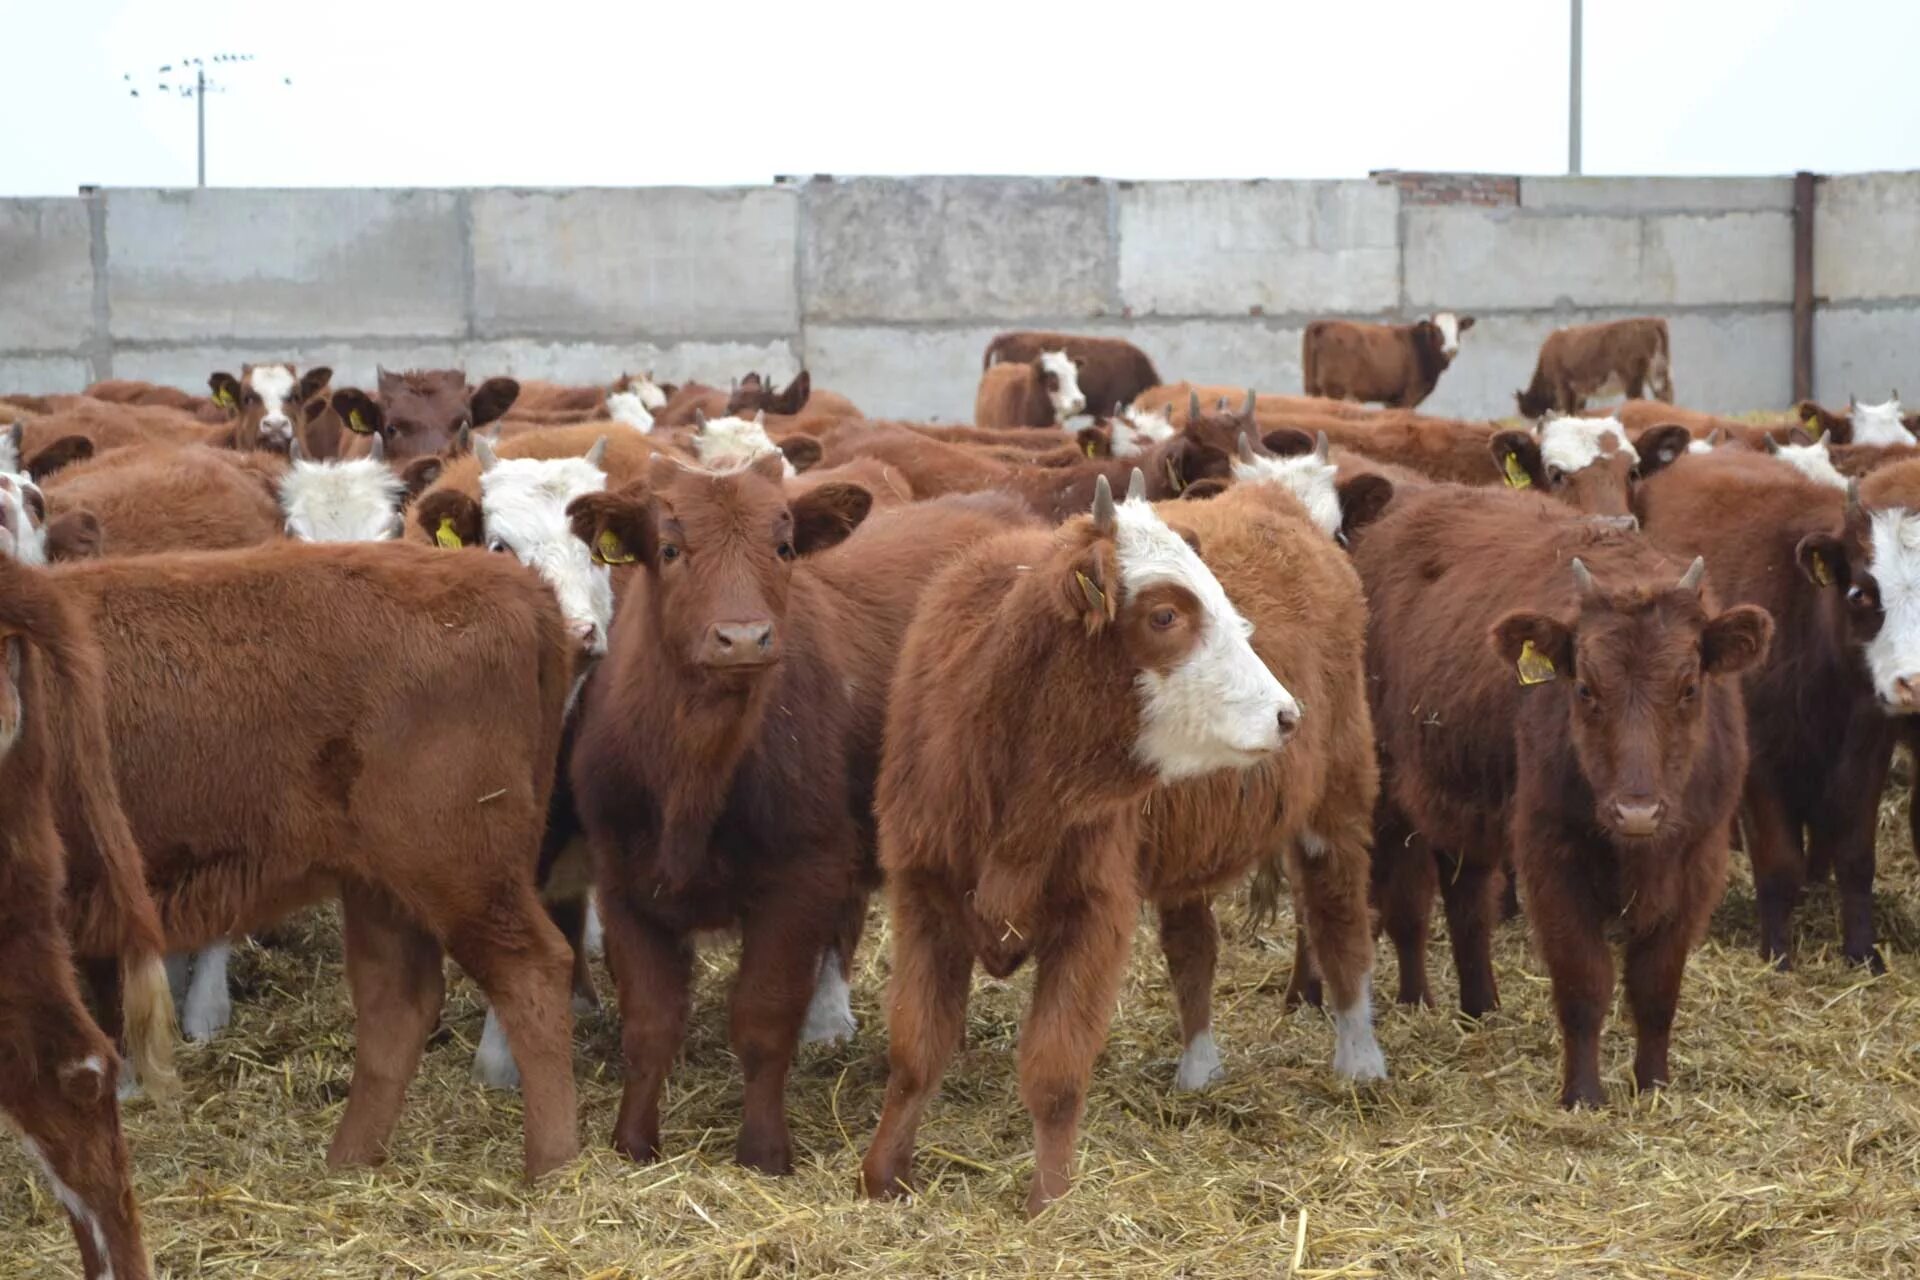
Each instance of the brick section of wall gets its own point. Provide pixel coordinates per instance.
(1489, 190)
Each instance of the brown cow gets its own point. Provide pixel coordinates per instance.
(797, 407)
(155, 498)
(1839, 576)
(1108, 650)
(688, 399)
(1174, 398)
(1111, 371)
(1615, 357)
(156, 395)
(727, 749)
(49, 459)
(1041, 392)
(114, 426)
(420, 413)
(1614, 784)
(1397, 365)
(273, 405)
(57, 1069)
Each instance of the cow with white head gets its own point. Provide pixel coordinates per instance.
(270, 403)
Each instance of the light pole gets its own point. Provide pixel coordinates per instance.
(167, 79)
(1573, 96)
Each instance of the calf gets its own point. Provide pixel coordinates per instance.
(355, 500)
(797, 407)
(1040, 392)
(114, 426)
(1617, 356)
(420, 413)
(155, 395)
(727, 748)
(272, 406)
(689, 398)
(57, 1068)
(1397, 365)
(1862, 424)
(728, 443)
(1838, 574)
(1110, 370)
(156, 498)
(1614, 782)
(1108, 650)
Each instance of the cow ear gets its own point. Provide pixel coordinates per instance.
(492, 399)
(75, 536)
(794, 398)
(801, 451)
(359, 411)
(1659, 446)
(1286, 442)
(450, 518)
(1363, 499)
(313, 382)
(1517, 456)
(1195, 460)
(1095, 442)
(420, 473)
(226, 391)
(1199, 490)
(1090, 587)
(824, 516)
(1736, 640)
(1539, 648)
(1823, 559)
(63, 452)
(618, 528)
(1465, 323)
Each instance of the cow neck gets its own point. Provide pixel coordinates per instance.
(1429, 364)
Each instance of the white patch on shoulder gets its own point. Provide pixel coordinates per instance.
(493, 1064)
(1449, 326)
(730, 443)
(1199, 1065)
(356, 500)
(1879, 424)
(830, 1013)
(1067, 399)
(1894, 559)
(209, 1004)
(523, 505)
(1306, 477)
(274, 384)
(1814, 462)
(631, 408)
(1356, 1054)
(1220, 707)
(1569, 444)
(1137, 430)
(76, 1207)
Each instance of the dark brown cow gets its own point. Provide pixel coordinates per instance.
(1614, 781)
(57, 1068)
(1615, 357)
(272, 406)
(796, 407)
(1111, 370)
(1107, 650)
(727, 749)
(1041, 392)
(1838, 575)
(420, 413)
(1397, 365)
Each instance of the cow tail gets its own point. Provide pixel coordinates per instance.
(151, 1029)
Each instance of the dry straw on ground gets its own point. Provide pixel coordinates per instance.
(1789, 1146)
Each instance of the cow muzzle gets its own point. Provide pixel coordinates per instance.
(1636, 817)
(1904, 699)
(740, 644)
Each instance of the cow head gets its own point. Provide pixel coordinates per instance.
(1447, 328)
(269, 403)
(1878, 423)
(634, 401)
(719, 551)
(350, 500)
(726, 444)
(1586, 462)
(1633, 665)
(1059, 376)
(1873, 566)
(419, 413)
(1810, 457)
(522, 509)
(1134, 431)
(755, 394)
(1306, 473)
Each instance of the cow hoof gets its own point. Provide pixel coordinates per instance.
(879, 1182)
(1360, 1063)
(1199, 1065)
(207, 1013)
(1872, 962)
(770, 1156)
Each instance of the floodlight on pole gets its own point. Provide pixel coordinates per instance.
(171, 78)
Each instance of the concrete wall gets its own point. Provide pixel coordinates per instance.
(889, 289)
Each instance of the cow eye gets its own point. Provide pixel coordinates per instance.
(669, 553)
(1860, 598)
(495, 544)
(1585, 692)
(786, 551)
(1691, 692)
(1163, 617)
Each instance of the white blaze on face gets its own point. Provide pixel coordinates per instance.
(1814, 462)
(1067, 400)
(1449, 326)
(1306, 476)
(523, 504)
(77, 1208)
(1220, 707)
(274, 384)
(1879, 424)
(1137, 430)
(1894, 560)
(730, 443)
(1574, 444)
(23, 535)
(630, 407)
(352, 501)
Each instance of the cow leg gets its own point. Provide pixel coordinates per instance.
(653, 976)
(1654, 965)
(394, 972)
(926, 1014)
(1779, 869)
(1080, 962)
(1191, 942)
(1466, 889)
(522, 963)
(783, 940)
(569, 916)
(209, 1005)
(1404, 882)
(1571, 942)
(1331, 872)
(1844, 835)
(1305, 984)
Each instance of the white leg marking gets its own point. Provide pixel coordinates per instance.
(1200, 1064)
(129, 1086)
(209, 1006)
(493, 1064)
(594, 936)
(1356, 1054)
(830, 1015)
(70, 1201)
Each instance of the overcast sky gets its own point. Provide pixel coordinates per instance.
(396, 93)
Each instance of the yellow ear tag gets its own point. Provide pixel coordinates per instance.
(1095, 596)
(445, 535)
(608, 549)
(1535, 667)
(1812, 426)
(358, 424)
(1517, 478)
(1089, 446)
(223, 398)
(1821, 574)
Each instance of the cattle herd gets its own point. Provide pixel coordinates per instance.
(512, 670)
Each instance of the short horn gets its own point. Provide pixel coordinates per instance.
(1582, 578)
(1320, 446)
(1137, 486)
(296, 454)
(1246, 447)
(597, 452)
(1853, 496)
(1103, 518)
(699, 419)
(1771, 445)
(1690, 580)
(760, 417)
(483, 450)
(1193, 405)
(1246, 410)
(377, 448)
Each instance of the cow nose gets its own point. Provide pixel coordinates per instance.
(1638, 818)
(738, 644)
(584, 634)
(1906, 693)
(1289, 717)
